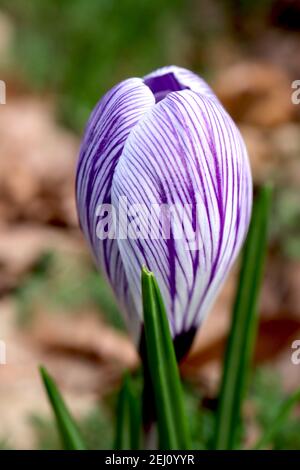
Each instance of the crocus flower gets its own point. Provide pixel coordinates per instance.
(166, 139)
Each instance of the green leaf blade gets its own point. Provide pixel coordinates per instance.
(172, 423)
(67, 426)
(244, 326)
(128, 426)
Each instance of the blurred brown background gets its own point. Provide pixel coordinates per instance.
(57, 58)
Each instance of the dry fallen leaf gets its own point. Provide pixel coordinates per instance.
(256, 93)
(37, 164)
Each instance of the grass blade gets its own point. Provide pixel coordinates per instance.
(244, 326)
(67, 427)
(128, 429)
(172, 422)
(279, 419)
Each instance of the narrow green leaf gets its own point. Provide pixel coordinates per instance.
(244, 326)
(128, 429)
(172, 422)
(66, 425)
(279, 419)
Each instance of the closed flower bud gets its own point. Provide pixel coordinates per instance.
(163, 180)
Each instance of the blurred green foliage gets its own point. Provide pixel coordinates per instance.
(201, 419)
(80, 48)
(267, 396)
(4, 444)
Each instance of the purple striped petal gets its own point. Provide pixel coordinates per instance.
(186, 150)
(107, 130)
